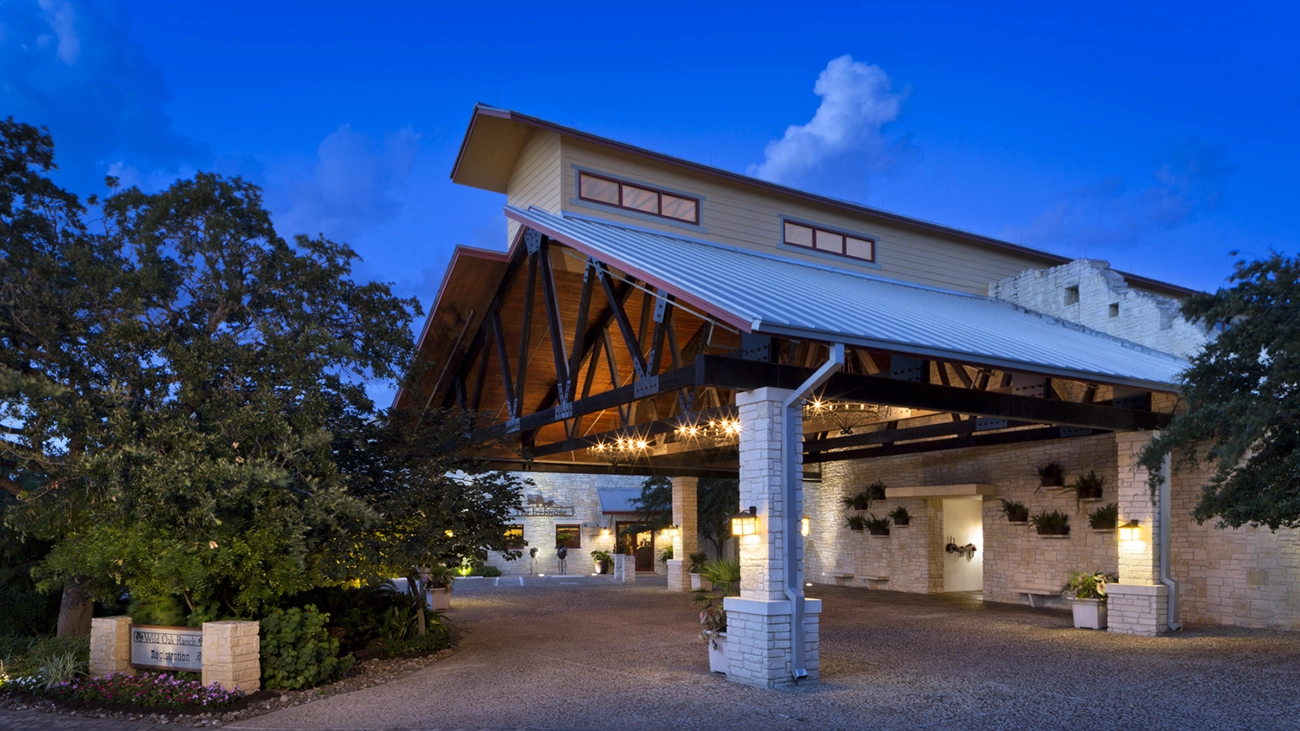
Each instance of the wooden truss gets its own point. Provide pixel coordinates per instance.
(573, 353)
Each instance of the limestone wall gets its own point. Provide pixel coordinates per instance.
(578, 491)
(1014, 555)
(1249, 577)
(1090, 293)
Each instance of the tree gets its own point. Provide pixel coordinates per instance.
(424, 476)
(1242, 397)
(716, 500)
(175, 388)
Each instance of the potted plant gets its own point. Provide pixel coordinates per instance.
(724, 578)
(1104, 518)
(1087, 593)
(697, 561)
(860, 501)
(1089, 486)
(601, 559)
(1051, 474)
(877, 526)
(857, 523)
(437, 585)
(876, 490)
(1054, 523)
(900, 516)
(1015, 512)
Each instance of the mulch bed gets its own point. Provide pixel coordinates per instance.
(364, 674)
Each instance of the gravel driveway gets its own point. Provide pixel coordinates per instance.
(585, 653)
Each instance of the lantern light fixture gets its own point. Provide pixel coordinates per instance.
(805, 526)
(745, 523)
(1130, 531)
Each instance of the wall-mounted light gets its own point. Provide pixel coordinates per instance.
(805, 526)
(745, 523)
(604, 533)
(674, 531)
(1130, 531)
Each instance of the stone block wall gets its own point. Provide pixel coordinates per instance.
(1090, 293)
(1014, 555)
(110, 646)
(1248, 577)
(539, 532)
(232, 655)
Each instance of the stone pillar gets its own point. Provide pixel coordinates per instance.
(759, 647)
(624, 567)
(110, 646)
(1137, 605)
(687, 540)
(232, 655)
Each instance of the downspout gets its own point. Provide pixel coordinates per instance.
(1166, 479)
(791, 445)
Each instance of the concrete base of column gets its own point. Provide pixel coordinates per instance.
(110, 646)
(1137, 609)
(678, 578)
(624, 567)
(758, 642)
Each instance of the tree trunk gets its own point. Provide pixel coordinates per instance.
(75, 611)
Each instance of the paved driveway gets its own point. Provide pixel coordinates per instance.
(585, 653)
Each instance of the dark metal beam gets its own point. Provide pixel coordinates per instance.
(961, 442)
(748, 374)
(889, 436)
(553, 321)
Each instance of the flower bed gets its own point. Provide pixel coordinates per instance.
(149, 690)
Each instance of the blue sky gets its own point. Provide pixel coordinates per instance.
(1159, 137)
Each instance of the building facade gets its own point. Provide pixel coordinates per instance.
(654, 316)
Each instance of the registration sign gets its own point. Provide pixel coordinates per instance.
(172, 648)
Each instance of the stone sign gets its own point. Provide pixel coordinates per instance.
(173, 648)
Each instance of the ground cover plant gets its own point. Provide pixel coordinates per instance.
(147, 689)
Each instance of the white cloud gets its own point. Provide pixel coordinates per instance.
(63, 21)
(354, 182)
(857, 101)
(1187, 183)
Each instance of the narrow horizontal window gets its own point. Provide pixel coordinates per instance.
(598, 189)
(829, 241)
(638, 198)
(568, 536)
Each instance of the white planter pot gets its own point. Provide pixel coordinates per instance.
(718, 654)
(440, 599)
(1089, 613)
(695, 582)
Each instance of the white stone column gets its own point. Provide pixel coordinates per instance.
(687, 540)
(1137, 605)
(232, 655)
(759, 647)
(110, 646)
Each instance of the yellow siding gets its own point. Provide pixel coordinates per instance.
(751, 219)
(535, 180)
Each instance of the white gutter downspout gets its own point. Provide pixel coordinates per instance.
(791, 445)
(1166, 478)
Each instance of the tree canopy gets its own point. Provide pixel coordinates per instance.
(183, 403)
(716, 501)
(1242, 397)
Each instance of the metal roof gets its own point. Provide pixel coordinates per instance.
(618, 499)
(769, 294)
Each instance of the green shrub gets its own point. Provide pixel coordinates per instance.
(437, 637)
(297, 651)
(27, 655)
(485, 571)
(26, 611)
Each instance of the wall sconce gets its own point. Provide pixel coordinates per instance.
(745, 524)
(604, 533)
(1130, 531)
(805, 526)
(674, 531)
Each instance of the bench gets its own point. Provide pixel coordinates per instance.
(1032, 592)
(874, 582)
(843, 579)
